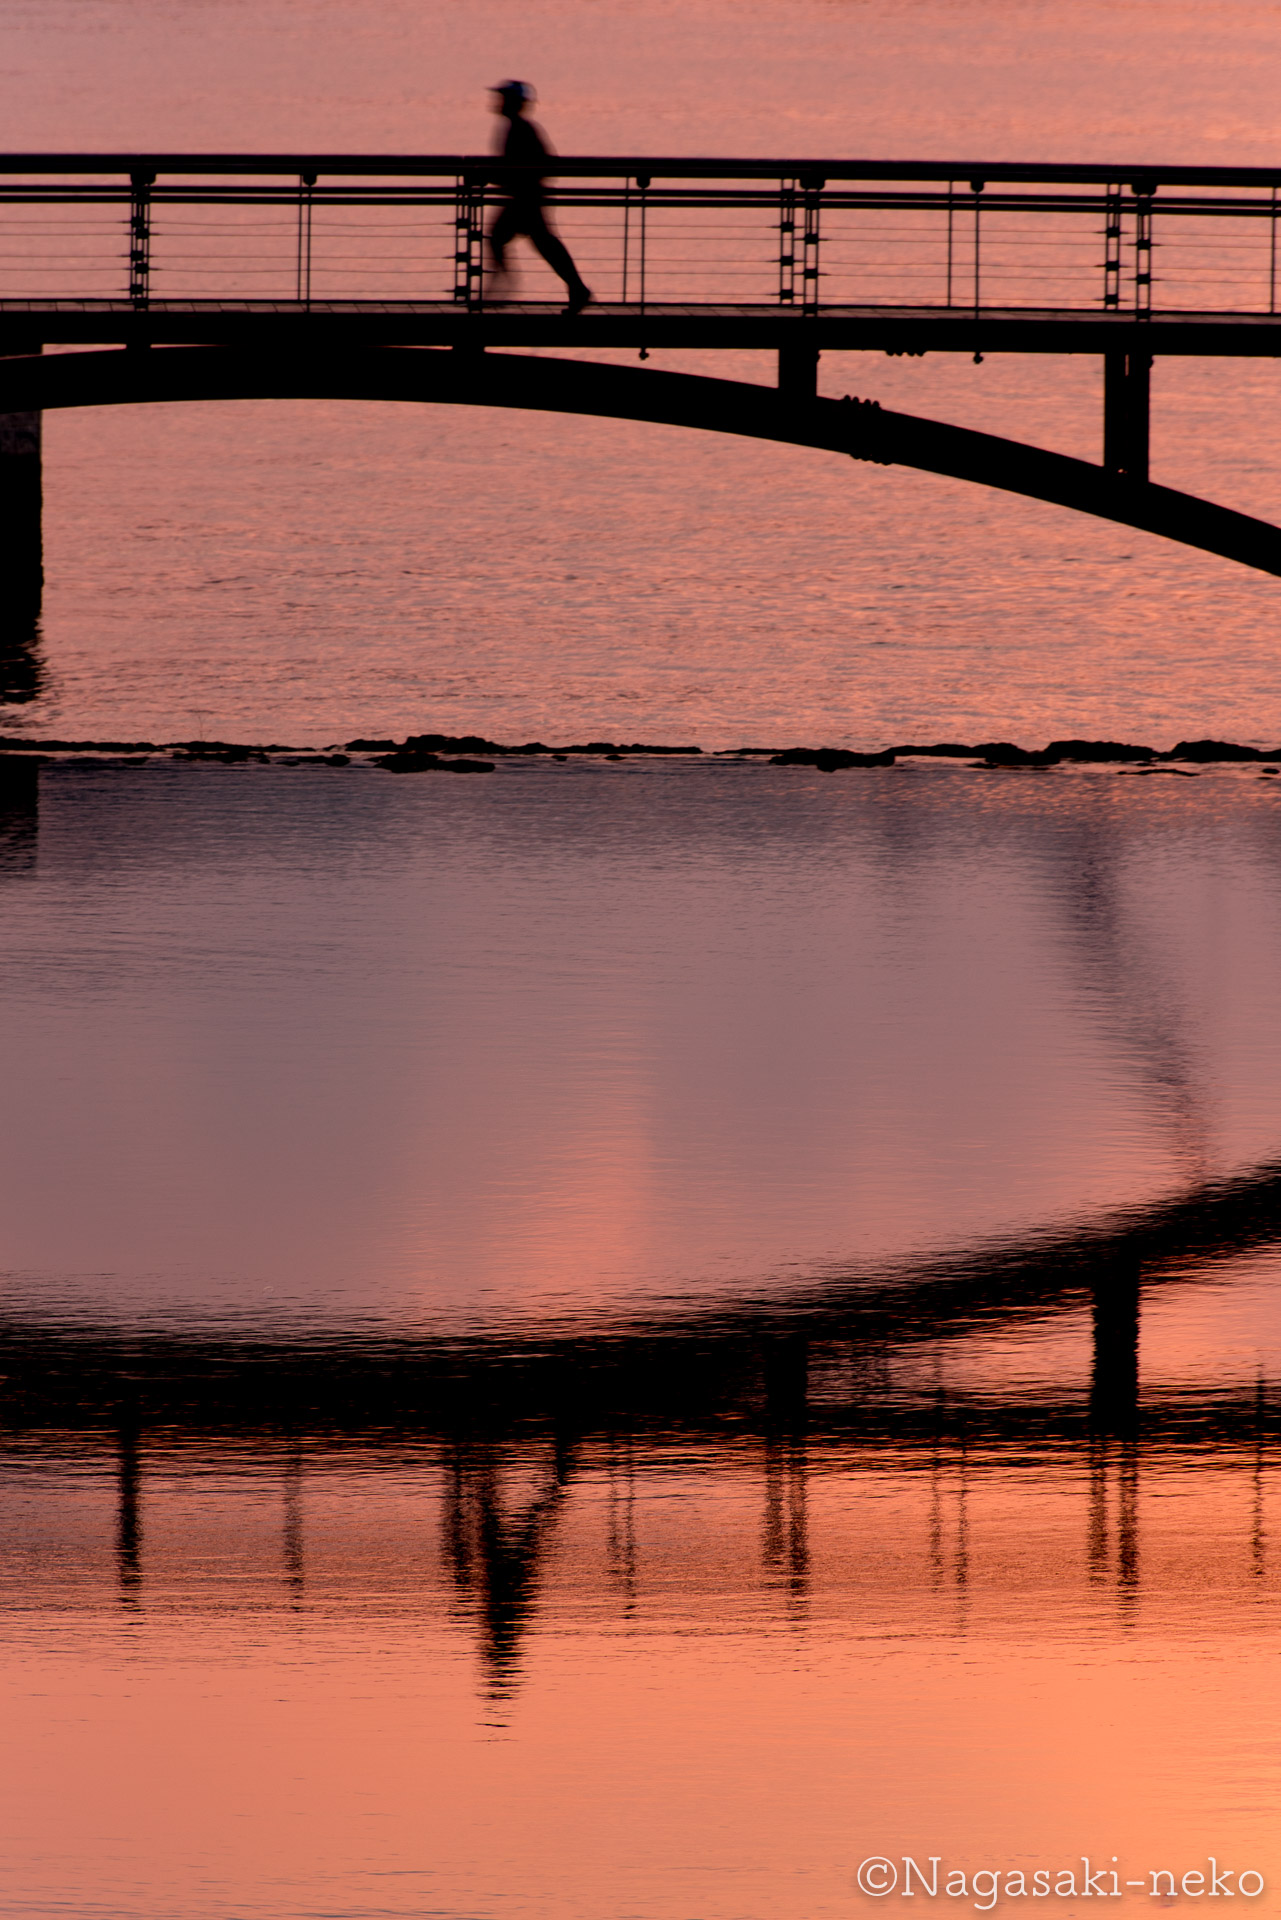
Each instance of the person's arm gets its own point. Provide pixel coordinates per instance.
(530, 149)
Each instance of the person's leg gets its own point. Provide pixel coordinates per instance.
(557, 256)
(507, 224)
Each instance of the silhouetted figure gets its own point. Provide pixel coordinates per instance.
(525, 210)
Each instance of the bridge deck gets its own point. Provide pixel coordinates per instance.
(616, 324)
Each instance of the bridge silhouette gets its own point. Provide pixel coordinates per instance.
(183, 277)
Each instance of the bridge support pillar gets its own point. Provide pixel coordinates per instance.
(1127, 387)
(21, 498)
(798, 371)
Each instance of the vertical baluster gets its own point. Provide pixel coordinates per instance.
(469, 240)
(477, 242)
(812, 187)
(1112, 248)
(786, 242)
(1143, 192)
(951, 212)
(627, 224)
(976, 188)
(642, 182)
(140, 185)
(461, 230)
(306, 181)
(1272, 255)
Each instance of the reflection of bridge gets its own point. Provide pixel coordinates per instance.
(801, 1379)
(797, 1359)
(282, 276)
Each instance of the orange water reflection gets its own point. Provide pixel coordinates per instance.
(735, 1674)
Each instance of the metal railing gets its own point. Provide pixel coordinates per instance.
(309, 231)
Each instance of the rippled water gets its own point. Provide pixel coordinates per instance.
(392, 1051)
(309, 572)
(619, 1339)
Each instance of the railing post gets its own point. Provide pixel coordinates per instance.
(642, 188)
(976, 188)
(469, 241)
(140, 185)
(1143, 192)
(627, 230)
(306, 181)
(811, 189)
(1112, 248)
(951, 213)
(786, 242)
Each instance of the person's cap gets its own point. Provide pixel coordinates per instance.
(514, 90)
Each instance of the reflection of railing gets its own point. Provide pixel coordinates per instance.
(541, 1526)
(800, 236)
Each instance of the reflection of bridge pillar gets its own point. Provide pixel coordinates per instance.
(21, 494)
(787, 1371)
(1112, 1530)
(19, 811)
(1114, 1384)
(1257, 1535)
(128, 1524)
(1127, 390)
(798, 371)
(785, 1543)
(293, 1544)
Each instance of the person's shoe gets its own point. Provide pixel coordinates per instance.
(578, 299)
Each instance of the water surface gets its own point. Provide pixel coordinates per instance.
(620, 1337)
(615, 1339)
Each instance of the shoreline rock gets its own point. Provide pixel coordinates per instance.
(459, 753)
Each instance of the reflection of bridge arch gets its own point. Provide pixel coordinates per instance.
(745, 1358)
(38, 383)
(514, 1417)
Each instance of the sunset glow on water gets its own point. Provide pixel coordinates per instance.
(661, 1336)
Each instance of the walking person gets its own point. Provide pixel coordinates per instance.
(525, 209)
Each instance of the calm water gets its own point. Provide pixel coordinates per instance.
(619, 1339)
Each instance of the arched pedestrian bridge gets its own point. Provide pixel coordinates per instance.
(193, 277)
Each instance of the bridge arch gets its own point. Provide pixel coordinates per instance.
(861, 429)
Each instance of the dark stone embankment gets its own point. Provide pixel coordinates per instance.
(473, 753)
(995, 754)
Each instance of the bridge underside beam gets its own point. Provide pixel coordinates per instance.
(862, 430)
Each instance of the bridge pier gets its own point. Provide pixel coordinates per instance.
(21, 498)
(798, 371)
(1127, 390)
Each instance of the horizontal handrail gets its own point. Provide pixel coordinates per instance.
(1140, 175)
(694, 198)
